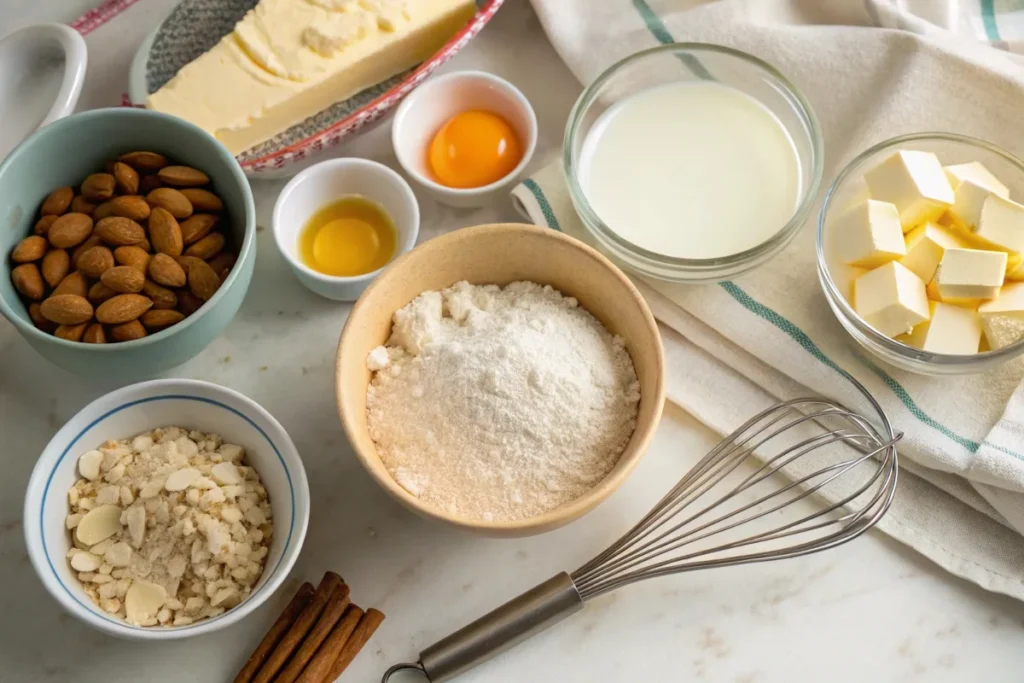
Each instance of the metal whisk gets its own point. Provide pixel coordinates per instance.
(721, 513)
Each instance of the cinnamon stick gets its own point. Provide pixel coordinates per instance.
(320, 667)
(298, 630)
(332, 613)
(367, 625)
(276, 632)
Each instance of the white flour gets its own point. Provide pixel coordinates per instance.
(500, 403)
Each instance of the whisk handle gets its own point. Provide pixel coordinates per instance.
(507, 626)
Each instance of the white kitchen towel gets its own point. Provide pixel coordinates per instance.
(735, 346)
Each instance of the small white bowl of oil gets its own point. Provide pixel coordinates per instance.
(340, 222)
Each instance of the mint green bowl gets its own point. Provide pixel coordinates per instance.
(66, 151)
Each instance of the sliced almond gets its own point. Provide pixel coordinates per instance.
(67, 309)
(57, 202)
(55, 266)
(69, 230)
(84, 561)
(136, 519)
(124, 279)
(182, 479)
(75, 283)
(99, 523)
(183, 176)
(89, 464)
(226, 473)
(96, 261)
(118, 555)
(30, 249)
(143, 600)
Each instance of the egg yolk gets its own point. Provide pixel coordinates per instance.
(473, 149)
(352, 236)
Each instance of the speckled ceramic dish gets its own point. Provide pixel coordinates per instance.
(196, 25)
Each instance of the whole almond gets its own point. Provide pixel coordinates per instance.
(74, 283)
(71, 332)
(66, 309)
(127, 331)
(94, 334)
(57, 202)
(188, 303)
(119, 231)
(130, 206)
(144, 162)
(202, 280)
(197, 227)
(82, 205)
(38, 320)
(28, 281)
(148, 183)
(104, 210)
(69, 230)
(122, 308)
(126, 177)
(93, 241)
(124, 279)
(165, 271)
(161, 297)
(164, 232)
(158, 319)
(42, 226)
(183, 176)
(145, 246)
(222, 264)
(172, 200)
(55, 267)
(96, 261)
(134, 256)
(98, 187)
(203, 200)
(99, 293)
(30, 249)
(208, 247)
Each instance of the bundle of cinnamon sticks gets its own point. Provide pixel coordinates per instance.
(314, 640)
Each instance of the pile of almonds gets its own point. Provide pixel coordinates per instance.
(134, 251)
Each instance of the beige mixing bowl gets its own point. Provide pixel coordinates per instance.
(500, 254)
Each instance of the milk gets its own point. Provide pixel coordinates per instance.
(691, 170)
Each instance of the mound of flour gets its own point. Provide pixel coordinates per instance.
(500, 403)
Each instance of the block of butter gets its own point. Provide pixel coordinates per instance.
(925, 245)
(1003, 317)
(966, 274)
(869, 235)
(950, 329)
(915, 182)
(891, 299)
(976, 172)
(286, 60)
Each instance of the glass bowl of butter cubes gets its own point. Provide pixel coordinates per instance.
(921, 252)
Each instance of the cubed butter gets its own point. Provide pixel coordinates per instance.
(970, 273)
(915, 182)
(925, 246)
(869, 235)
(976, 172)
(891, 299)
(1003, 317)
(950, 329)
(1001, 224)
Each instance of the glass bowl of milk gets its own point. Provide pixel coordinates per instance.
(691, 162)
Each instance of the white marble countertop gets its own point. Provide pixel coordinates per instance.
(869, 611)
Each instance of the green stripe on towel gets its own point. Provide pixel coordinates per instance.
(988, 18)
(542, 202)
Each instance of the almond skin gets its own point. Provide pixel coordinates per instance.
(57, 202)
(202, 200)
(99, 293)
(122, 308)
(67, 309)
(28, 281)
(222, 264)
(165, 233)
(119, 231)
(104, 210)
(165, 271)
(170, 199)
(55, 267)
(93, 241)
(158, 319)
(130, 206)
(126, 177)
(69, 230)
(124, 279)
(42, 226)
(202, 280)
(82, 205)
(208, 247)
(161, 297)
(98, 187)
(37, 318)
(144, 162)
(96, 261)
(183, 176)
(128, 331)
(30, 249)
(188, 303)
(197, 227)
(134, 256)
(94, 334)
(71, 332)
(75, 283)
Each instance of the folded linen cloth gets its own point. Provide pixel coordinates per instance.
(735, 347)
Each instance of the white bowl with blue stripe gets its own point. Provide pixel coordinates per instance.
(140, 408)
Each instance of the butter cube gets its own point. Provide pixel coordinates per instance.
(970, 273)
(915, 183)
(925, 246)
(891, 299)
(978, 174)
(951, 329)
(869, 235)
(1003, 317)
(1001, 224)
